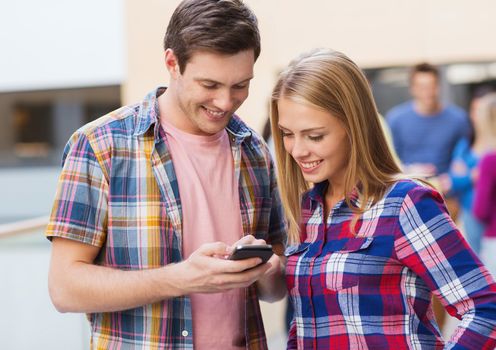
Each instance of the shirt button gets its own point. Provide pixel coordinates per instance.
(185, 333)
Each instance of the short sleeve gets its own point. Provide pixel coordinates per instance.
(80, 207)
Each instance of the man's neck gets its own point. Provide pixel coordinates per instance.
(427, 110)
(167, 108)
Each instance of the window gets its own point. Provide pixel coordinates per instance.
(33, 128)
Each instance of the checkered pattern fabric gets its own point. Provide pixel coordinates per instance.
(118, 191)
(373, 289)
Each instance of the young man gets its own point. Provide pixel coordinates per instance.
(424, 131)
(153, 196)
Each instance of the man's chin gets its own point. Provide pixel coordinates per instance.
(213, 129)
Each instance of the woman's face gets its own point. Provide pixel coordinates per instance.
(315, 139)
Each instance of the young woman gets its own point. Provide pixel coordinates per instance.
(485, 192)
(463, 173)
(369, 247)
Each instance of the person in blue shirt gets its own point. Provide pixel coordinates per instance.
(425, 131)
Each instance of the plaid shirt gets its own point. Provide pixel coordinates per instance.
(118, 191)
(373, 290)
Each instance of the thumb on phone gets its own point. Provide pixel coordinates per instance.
(215, 249)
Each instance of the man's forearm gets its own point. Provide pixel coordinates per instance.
(83, 287)
(77, 285)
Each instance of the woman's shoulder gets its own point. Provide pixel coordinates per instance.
(412, 188)
(488, 164)
(416, 199)
(490, 158)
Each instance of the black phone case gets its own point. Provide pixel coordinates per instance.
(245, 252)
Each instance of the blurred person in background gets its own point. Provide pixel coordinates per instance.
(462, 176)
(425, 133)
(424, 130)
(153, 197)
(369, 246)
(485, 190)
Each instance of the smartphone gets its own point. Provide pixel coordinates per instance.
(263, 252)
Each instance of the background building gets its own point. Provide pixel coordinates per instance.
(62, 65)
(383, 37)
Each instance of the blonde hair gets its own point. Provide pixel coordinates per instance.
(330, 81)
(487, 115)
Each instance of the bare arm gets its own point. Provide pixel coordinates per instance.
(77, 285)
(272, 286)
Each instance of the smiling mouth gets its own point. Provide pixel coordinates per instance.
(214, 114)
(310, 165)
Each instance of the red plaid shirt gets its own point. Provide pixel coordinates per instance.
(373, 290)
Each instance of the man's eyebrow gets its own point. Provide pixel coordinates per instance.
(208, 80)
(244, 81)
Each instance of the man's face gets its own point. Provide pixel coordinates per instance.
(425, 90)
(211, 88)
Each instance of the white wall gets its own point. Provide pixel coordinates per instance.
(60, 44)
(28, 319)
(26, 193)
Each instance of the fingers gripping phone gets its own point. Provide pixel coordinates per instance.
(263, 251)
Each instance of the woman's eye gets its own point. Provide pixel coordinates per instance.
(285, 134)
(316, 138)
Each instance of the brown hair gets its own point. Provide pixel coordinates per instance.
(330, 81)
(223, 26)
(424, 67)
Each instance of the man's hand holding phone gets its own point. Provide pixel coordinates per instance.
(245, 251)
(271, 283)
(209, 270)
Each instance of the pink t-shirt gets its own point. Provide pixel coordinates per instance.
(210, 207)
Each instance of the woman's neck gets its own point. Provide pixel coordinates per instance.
(483, 144)
(332, 196)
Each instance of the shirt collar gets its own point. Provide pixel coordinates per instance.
(148, 114)
(317, 193)
(238, 131)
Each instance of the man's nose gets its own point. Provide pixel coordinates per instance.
(224, 100)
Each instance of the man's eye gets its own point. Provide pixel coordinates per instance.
(209, 86)
(240, 87)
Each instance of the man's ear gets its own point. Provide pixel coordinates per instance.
(171, 63)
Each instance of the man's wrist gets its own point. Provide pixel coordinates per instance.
(171, 281)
